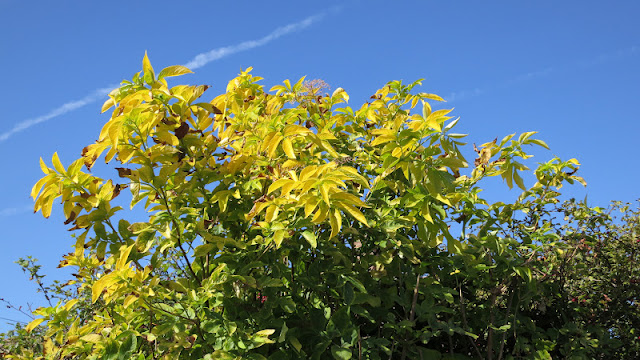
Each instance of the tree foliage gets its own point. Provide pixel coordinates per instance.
(284, 224)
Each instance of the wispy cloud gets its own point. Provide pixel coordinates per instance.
(198, 61)
(15, 210)
(580, 65)
(463, 94)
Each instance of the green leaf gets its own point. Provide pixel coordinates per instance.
(139, 227)
(110, 350)
(340, 353)
(524, 272)
(203, 250)
(295, 343)
(128, 345)
(355, 282)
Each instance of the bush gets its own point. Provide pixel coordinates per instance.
(287, 225)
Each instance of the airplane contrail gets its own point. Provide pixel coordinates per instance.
(203, 59)
(61, 110)
(198, 61)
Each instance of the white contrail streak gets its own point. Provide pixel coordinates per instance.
(61, 110)
(203, 59)
(198, 61)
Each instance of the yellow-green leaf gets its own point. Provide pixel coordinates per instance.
(278, 236)
(147, 69)
(175, 70)
(311, 238)
(265, 332)
(104, 282)
(92, 338)
(124, 256)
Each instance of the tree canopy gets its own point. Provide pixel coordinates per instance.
(284, 224)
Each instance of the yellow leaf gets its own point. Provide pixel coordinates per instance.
(271, 214)
(379, 132)
(320, 215)
(443, 199)
(352, 199)
(308, 172)
(70, 304)
(38, 186)
(166, 137)
(47, 206)
(382, 139)
(341, 93)
(518, 180)
(107, 105)
(286, 189)
(266, 141)
(278, 184)
(44, 167)
(324, 191)
(124, 256)
(57, 164)
(292, 129)
(335, 227)
(32, 325)
(431, 97)
(129, 300)
(306, 185)
(102, 283)
(310, 205)
(273, 145)
(354, 212)
(288, 148)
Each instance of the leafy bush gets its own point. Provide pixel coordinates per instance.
(286, 224)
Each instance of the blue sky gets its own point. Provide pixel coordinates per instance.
(568, 69)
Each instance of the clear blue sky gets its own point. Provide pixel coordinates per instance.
(568, 69)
